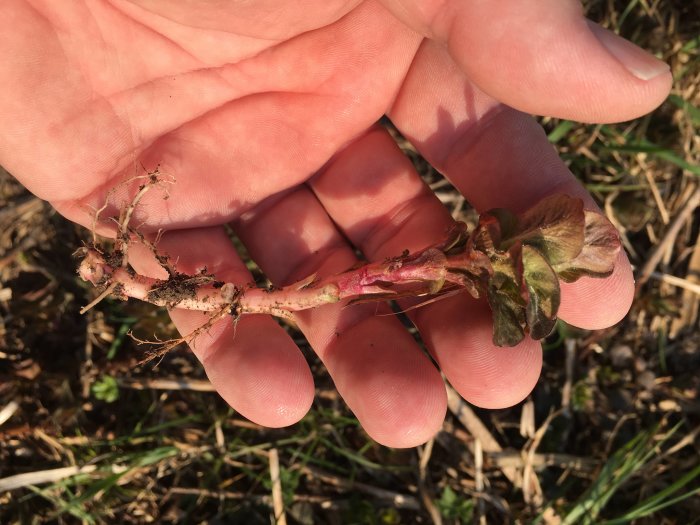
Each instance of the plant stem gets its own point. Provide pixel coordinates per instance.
(515, 261)
(417, 274)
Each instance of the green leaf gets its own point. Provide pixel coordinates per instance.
(507, 319)
(600, 249)
(506, 301)
(106, 389)
(543, 290)
(455, 506)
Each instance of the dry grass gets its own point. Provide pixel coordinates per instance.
(87, 435)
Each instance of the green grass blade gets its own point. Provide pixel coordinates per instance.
(358, 459)
(687, 107)
(560, 131)
(75, 505)
(609, 188)
(626, 461)
(623, 16)
(659, 500)
(63, 506)
(645, 146)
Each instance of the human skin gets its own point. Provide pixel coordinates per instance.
(265, 114)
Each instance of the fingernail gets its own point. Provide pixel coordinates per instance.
(637, 61)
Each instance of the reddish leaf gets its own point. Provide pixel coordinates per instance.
(600, 249)
(555, 226)
(554, 239)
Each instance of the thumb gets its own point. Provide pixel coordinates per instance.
(542, 56)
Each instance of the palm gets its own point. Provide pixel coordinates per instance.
(264, 113)
(255, 119)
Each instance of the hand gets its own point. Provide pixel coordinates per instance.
(265, 115)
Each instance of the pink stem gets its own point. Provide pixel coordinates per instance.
(417, 274)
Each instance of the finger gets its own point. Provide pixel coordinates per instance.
(499, 157)
(543, 57)
(392, 387)
(375, 196)
(595, 304)
(253, 364)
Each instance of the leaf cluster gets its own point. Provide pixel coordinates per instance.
(530, 253)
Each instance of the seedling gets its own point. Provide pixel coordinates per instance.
(514, 261)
